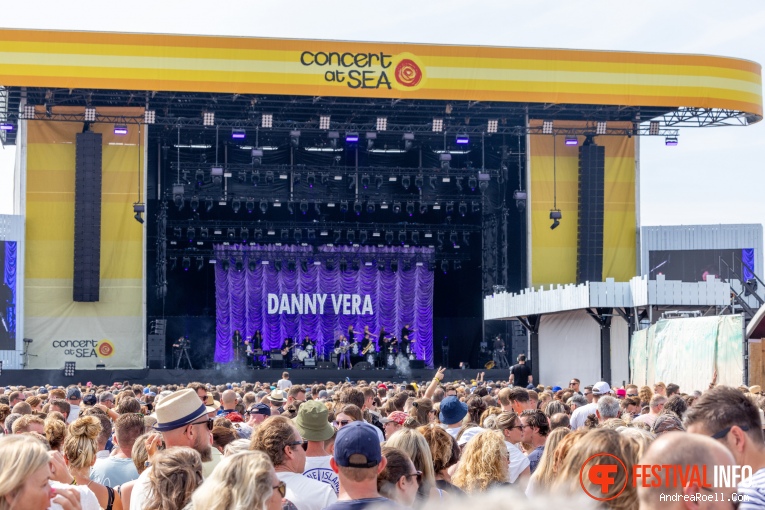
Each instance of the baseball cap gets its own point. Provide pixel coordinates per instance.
(260, 409)
(396, 417)
(357, 445)
(89, 399)
(556, 388)
(621, 392)
(601, 388)
(73, 393)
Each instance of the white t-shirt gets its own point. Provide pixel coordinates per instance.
(113, 471)
(74, 413)
(284, 384)
(518, 462)
(88, 500)
(580, 414)
(140, 491)
(318, 468)
(306, 493)
(452, 431)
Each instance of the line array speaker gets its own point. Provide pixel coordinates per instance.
(87, 217)
(589, 256)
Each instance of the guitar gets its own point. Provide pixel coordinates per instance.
(288, 349)
(342, 349)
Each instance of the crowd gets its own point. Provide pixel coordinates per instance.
(350, 445)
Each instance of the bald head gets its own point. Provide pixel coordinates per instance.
(678, 448)
(228, 399)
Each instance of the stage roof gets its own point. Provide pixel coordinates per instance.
(239, 65)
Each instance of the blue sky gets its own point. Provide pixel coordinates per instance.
(714, 175)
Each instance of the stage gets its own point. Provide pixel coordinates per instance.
(224, 375)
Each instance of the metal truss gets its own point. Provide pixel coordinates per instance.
(218, 229)
(703, 117)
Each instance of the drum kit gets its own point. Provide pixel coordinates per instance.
(305, 354)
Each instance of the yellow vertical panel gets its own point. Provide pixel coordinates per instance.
(619, 212)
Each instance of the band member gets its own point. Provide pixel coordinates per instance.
(367, 341)
(404, 345)
(500, 357)
(307, 341)
(351, 334)
(406, 331)
(342, 347)
(257, 340)
(287, 349)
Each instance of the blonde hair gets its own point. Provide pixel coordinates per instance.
(242, 481)
(55, 432)
(20, 456)
(416, 446)
(175, 475)
(645, 395)
(81, 443)
(139, 453)
(544, 474)
(484, 462)
(641, 437)
(574, 470)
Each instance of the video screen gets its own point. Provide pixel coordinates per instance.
(696, 265)
(8, 295)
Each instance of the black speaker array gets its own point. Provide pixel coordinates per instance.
(589, 256)
(156, 351)
(87, 217)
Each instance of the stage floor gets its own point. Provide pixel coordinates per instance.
(297, 376)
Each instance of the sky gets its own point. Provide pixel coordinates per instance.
(713, 176)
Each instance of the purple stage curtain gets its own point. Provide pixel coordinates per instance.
(9, 279)
(398, 298)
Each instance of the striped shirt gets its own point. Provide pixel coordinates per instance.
(753, 489)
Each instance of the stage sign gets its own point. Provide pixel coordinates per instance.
(278, 293)
(8, 257)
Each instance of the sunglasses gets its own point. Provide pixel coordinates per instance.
(304, 444)
(341, 423)
(209, 423)
(632, 394)
(282, 488)
(724, 432)
(521, 427)
(417, 474)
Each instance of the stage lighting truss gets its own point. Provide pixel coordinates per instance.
(149, 117)
(382, 123)
(547, 127)
(492, 126)
(324, 122)
(208, 118)
(267, 120)
(601, 127)
(438, 125)
(90, 114)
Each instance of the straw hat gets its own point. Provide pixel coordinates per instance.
(180, 409)
(277, 396)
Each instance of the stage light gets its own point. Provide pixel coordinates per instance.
(208, 118)
(363, 237)
(556, 216)
(601, 127)
(357, 207)
(238, 263)
(408, 140)
(69, 368)
(295, 138)
(186, 263)
(370, 207)
(173, 263)
(440, 240)
(199, 176)
(289, 208)
(311, 179)
(338, 236)
(381, 265)
(231, 233)
(389, 237)
(384, 205)
(351, 137)
(325, 178)
(394, 265)
(285, 234)
(572, 141)
(208, 204)
(177, 232)
(257, 157)
(269, 177)
(410, 208)
(462, 139)
(382, 123)
(547, 127)
(418, 179)
(453, 239)
(278, 265)
(396, 207)
(406, 181)
(250, 205)
(462, 208)
(378, 181)
(244, 234)
(365, 180)
(445, 159)
(670, 141)
(263, 206)
(323, 233)
(149, 117)
(200, 263)
(29, 111)
(445, 266)
(415, 237)
(178, 195)
(120, 129)
(466, 238)
(241, 176)
(449, 207)
(472, 182)
(352, 181)
(423, 207)
(204, 233)
(432, 181)
(492, 126)
(298, 235)
(252, 264)
(324, 122)
(267, 120)
(304, 206)
(653, 127)
(255, 177)
(224, 264)
(457, 265)
(311, 234)
(436, 206)
(217, 174)
(138, 209)
(236, 204)
(190, 233)
(402, 236)
(238, 134)
(458, 182)
(438, 125)
(90, 114)
(475, 206)
(351, 236)
(317, 208)
(343, 206)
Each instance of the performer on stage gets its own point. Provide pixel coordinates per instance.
(237, 344)
(404, 345)
(342, 347)
(367, 344)
(351, 334)
(287, 350)
(500, 357)
(257, 340)
(306, 342)
(406, 332)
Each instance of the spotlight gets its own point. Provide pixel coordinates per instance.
(200, 263)
(418, 181)
(462, 208)
(402, 236)
(317, 208)
(370, 207)
(572, 141)
(208, 118)
(472, 182)
(120, 129)
(415, 237)
(173, 263)
(600, 127)
(408, 140)
(285, 234)
(252, 265)
(457, 265)
(357, 207)
(238, 263)
(177, 232)
(492, 126)
(29, 111)
(244, 234)
(238, 134)
(295, 138)
(445, 159)
(311, 179)
(324, 122)
(458, 182)
(453, 239)
(466, 238)
(267, 120)
(653, 128)
(382, 123)
(475, 206)
(352, 181)
(449, 207)
(351, 236)
(298, 235)
(343, 206)
(365, 181)
(269, 177)
(556, 216)
(406, 181)
(90, 114)
(410, 208)
(178, 196)
(311, 234)
(242, 176)
(389, 237)
(224, 264)
(204, 233)
(69, 368)
(440, 240)
(231, 233)
(289, 208)
(333, 137)
(186, 263)
(670, 141)
(432, 181)
(138, 209)
(149, 117)
(236, 204)
(263, 206)
(250, 205)
(338, 236)
(351, 137)
(396, 207)
(445, 266)
(190, 233)
(304, 206)
(394, 265)
(381, 265)
(483, 181)
(378, 181)
(462, 139)
(423, 208)
(547, 127)
(363, 237)
(217, 174)
(199, 176)
(438, 125)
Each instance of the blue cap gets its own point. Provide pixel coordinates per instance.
(42, 391)
(531, 387)
(89, 399)
(357, 445)
(556, 388)
(260, 408)
(73, 393)
(146, 391)
(452, 411)
(229, 386)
